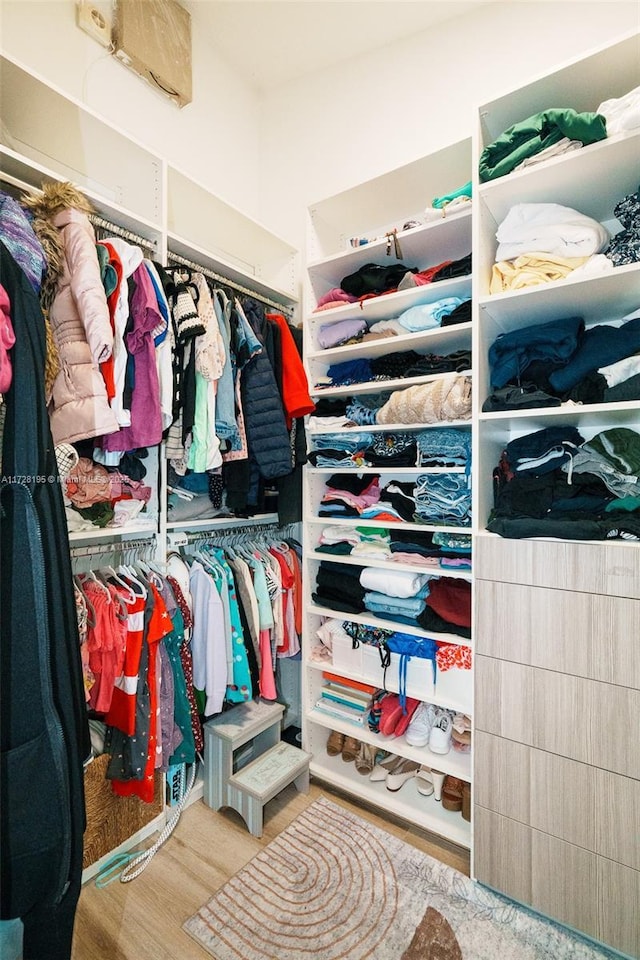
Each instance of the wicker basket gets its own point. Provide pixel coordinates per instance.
(111, 819)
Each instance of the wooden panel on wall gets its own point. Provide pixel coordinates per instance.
(563, 882)
(588, 721)
(584, 805)
(612, 569)
(501, 780)
(618, 818)
(619, 906)
(502, 853)
(110, 819)
(563, 801)
(591, 636)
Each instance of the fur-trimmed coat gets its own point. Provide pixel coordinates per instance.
(79, 317)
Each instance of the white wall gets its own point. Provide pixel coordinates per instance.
(332, 130)
(215, 139)
(273, 155)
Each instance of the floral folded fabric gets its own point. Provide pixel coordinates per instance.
(450, 655)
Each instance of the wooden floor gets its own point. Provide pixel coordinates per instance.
(142, 920)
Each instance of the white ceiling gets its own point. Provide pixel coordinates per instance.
(276, 41)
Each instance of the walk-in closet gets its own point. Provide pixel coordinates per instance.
(320, 480)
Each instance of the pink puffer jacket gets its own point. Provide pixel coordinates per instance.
(79, 317)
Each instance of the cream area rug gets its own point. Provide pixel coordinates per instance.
(333, 886)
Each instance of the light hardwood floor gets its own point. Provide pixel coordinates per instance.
(142, 920)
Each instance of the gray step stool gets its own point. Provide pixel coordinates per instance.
(273, 767)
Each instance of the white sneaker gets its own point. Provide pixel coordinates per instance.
(440, 736)
(419, 729)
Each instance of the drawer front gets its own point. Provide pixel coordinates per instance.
(612, 569)
(563, 881)
(584, 720)
(586, 806)
(586, 635)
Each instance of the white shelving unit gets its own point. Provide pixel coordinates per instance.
(370, 210)
(137, 191)
(534, 700)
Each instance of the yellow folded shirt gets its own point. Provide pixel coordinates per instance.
(531, 269)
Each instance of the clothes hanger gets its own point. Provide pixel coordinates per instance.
(91, 620)
(130, 595)
(90, 575)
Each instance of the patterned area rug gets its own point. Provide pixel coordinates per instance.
(334, 887)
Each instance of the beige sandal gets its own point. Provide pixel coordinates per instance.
(366, 759)
(350, 749)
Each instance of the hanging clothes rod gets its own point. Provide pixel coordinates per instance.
(103, 224)
(205, 271)
(224, 532)
(112, 546)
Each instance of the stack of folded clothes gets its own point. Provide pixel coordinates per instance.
(548, 364)
(540, 242)
(553, 483)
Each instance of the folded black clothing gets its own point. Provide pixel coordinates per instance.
(354, 483)
(393, 364)
(525, 496)
(374, 278)
(329, 453)
(591, 389)
(400, 499)
(547, 444)
(527, 396)
(538, 373)
(434, 363)
(412, 536)
(408, 457)
(617, 527)
(457, 268)
(461, 314)
(330, 407)
(342, 548)
(626, 390)
(430, 621)
(336, 603)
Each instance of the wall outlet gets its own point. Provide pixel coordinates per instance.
(95, 17)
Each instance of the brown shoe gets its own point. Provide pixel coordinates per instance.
(466, 802)
(452, 794)
(350, 749)
(335, 743)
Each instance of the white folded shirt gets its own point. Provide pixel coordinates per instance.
(549, 228)
(395, 583)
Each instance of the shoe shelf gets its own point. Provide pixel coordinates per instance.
(453, 764)
(406, 803)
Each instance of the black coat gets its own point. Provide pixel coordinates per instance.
(44, 733)
(267, 434)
